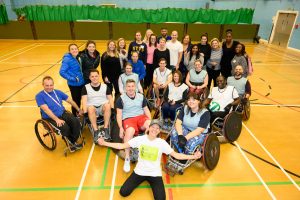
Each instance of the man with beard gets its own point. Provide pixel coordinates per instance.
(221, 99)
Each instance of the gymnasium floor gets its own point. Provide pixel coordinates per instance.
(28, 171)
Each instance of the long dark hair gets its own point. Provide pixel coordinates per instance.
(196, 97)
(197, 54)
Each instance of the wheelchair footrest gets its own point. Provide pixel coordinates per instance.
(174, 166)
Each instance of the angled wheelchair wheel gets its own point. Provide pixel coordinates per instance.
(211, 151)
(45, 134)
(246, 110)
(232, 126)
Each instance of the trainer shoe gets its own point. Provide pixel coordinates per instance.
(96, 136)
(126, 166)
(106, 134)
(74, 147)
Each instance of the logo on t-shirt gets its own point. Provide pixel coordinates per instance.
(148, 153)
(214, 106)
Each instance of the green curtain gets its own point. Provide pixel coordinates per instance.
(72, 13)
(3, 14)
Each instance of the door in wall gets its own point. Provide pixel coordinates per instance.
(284, 24)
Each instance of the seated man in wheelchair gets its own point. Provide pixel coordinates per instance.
(97, 101)
(133, 116)
(241, 84)
(50, 102)
(128, 74)
(174, 96)
(197, 79)
(162, 76)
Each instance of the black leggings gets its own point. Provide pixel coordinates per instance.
(71, 128)
(134, 180)
(114, 85)
(149, 75)
(212, 75)
(76, 96)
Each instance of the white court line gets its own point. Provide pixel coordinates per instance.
(19, 53)
(16, 50)
(270, 155)
(255, 171)
(112, 187)
(279, 55)
(275, 105)
(84, 172)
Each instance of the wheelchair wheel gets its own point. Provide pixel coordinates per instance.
(45, 134)
(246, 110)
(232, 126)
(211, 151)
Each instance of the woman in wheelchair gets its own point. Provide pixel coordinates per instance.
(174, 96)
(197, 79)
(191, 126)
(151, 147)
(50, 102)
(129, 75)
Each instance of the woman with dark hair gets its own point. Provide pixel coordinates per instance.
(240, 58)
(138, 46)
(90, 59)
(228, 47)
(111, 67)
(191, 126)
(151, 148)
(151, 46)
(187, 47)
(174, 96)
(71, 71)
(204, 48)
(191, 57)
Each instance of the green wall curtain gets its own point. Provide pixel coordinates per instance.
(3, 14)
(72, 13)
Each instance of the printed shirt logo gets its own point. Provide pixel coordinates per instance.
(148, 153)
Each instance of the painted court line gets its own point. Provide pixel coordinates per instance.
(275, 105)
(113, 181)
(19, 53)
(272, 51)
(270, 155)
(255, 171)
(17, 50)
(84, 172)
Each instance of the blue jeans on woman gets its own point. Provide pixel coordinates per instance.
(169, 111)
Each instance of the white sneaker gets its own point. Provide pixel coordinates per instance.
(126, 166)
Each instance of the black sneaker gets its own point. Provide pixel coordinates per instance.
(74, 147)
(96, 136)
(106, 134)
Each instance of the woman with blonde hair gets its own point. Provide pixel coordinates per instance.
(213, 66)
(111, 67)
(121, 48)
(148, 33)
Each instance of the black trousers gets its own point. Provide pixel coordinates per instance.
(149, 75)
(134, 180)
(114, 84)
(71, 129)
(212, 75)
(76, 96)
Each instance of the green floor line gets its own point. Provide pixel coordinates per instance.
(105, 167)
(241, 184)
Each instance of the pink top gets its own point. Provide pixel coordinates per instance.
(150, 52)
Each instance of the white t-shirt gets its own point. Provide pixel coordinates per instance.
(174, 48)
(150, 152)
(161, 77)
(223, 96)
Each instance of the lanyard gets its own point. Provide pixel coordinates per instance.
(57, 102)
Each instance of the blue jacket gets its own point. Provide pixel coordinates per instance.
(71, 71)
(138, 68)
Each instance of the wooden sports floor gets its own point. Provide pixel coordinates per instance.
(264, 163)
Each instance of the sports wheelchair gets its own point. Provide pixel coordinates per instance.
(244, 109)
(99, 122)
(46, 134)
(210, 150)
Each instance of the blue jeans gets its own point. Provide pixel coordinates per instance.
(169, 111)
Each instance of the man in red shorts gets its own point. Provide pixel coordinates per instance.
(133, 116)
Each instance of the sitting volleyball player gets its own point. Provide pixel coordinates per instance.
(50, 102)
(133, 116)
(97, 100)
(128, 74)
(151, 148)
(191, 126)
(221, 99)
(241, 84)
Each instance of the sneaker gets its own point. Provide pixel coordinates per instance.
(126, 166)
(165, 126)
(170, 126)
(96, 136)
(74, 147)
(106, 134)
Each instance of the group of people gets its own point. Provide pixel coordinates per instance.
(181, 73)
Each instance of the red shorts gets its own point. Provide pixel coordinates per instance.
(135, 122)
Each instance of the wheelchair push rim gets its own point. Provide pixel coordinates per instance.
(211, 151)
(246, 110)
(232, 126)
(45, 134)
